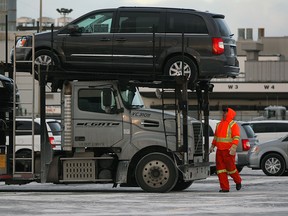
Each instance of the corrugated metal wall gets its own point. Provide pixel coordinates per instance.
(268, 71)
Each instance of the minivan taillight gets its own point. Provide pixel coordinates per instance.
(245, 144)
(51, 141)
(218, 46)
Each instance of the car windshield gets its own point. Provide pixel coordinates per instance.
(131, 97)
(55, 128)
(249, 131)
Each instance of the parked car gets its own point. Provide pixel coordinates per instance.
(267, 130)
(271, 157)
(24, 135)
(247, 139)
(137, 40)
(6, 92)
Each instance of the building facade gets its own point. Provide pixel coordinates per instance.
(8, 7)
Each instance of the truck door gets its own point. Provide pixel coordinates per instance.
(96, 122)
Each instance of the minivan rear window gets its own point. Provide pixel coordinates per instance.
(185, 23)
(55, 128)
(249, 131)
(223, 27)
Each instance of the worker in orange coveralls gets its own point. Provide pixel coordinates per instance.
(227, 135)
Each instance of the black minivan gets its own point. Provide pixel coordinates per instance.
(139, 41)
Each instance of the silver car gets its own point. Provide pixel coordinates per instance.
(271, 157)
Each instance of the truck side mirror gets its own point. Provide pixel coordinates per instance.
(107, 97)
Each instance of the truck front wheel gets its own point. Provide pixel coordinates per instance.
(156, 172)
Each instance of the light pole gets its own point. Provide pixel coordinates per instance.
(40, 18)
(64, 12)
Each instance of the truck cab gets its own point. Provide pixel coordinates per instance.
(108, 132)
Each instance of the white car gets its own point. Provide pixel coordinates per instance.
(24, 135)
(267, 130)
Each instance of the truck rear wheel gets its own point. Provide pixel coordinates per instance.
(156, 172)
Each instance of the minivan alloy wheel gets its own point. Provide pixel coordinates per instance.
(47, 60)
(174, 67)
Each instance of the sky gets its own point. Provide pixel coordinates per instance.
(269, 14)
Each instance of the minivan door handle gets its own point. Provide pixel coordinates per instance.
(105, 39)
(121, 39)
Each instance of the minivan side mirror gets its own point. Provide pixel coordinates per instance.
(73, 29)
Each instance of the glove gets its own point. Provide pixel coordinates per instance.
(233, 149)
(211, 149)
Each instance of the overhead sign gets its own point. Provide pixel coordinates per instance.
(251, 87)
(243, 87)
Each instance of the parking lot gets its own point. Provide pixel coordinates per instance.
(261, 195)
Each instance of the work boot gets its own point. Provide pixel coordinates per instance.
(223, 191)
(238, 186)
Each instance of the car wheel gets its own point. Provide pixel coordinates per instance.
(212, 170)
(23, 160)
(156, 172)
(173, 67)
(273, 165)
(47, 61)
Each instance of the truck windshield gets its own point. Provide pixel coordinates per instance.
(131, 97)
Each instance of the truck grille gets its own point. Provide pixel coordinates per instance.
(198, 136)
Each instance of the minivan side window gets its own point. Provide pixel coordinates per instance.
(185, 23)
(270, 127)
(138, 22)
(97, 23)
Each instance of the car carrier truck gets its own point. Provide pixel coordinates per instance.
(108, 136)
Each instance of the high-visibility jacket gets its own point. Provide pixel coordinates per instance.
(227, 132)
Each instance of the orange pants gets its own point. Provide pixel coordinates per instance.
(225, 165)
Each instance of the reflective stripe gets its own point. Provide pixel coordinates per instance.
(221, 171)
(228, 138)
(236, 137)
(224, 140)
(232, 172)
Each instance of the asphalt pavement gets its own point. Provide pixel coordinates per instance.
(260, 195)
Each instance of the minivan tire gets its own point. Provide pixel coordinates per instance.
(173, 67)
(46, 58)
